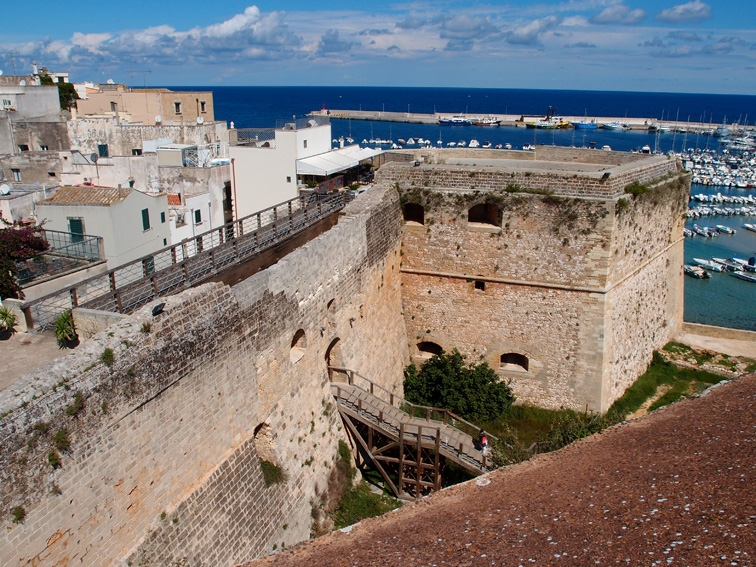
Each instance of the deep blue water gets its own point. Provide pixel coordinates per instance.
(722, 300)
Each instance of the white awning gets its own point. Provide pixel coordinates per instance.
(334, 161)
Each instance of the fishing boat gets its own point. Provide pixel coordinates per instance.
(614, 125)
(486, 121)
(696, 272)
(708, 264)
(585, 125)
(456, 120)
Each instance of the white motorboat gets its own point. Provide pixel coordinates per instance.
(725, 229)
(749, 226)
(708, 264)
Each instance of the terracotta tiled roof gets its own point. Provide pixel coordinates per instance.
(174, 200)
(87, 196)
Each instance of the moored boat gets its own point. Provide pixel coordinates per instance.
(725, 229)
(614, 125)
(747, 277)
(696, 272)
(486, 121)
(708, 264)
(585, 125)
(749, 226)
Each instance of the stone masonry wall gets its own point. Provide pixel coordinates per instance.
(163, 464)
(584, 288)
(500, 173)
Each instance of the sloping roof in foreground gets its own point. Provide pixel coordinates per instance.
(103, 196)
(672, 488)
(335, 160)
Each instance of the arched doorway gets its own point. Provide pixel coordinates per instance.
(333, 355)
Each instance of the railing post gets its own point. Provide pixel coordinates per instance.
(111, 277)
(173, 255)
(427, 414)
(74, 297)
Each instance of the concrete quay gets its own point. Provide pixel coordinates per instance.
(509, 120)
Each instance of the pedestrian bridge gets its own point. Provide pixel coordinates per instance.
(408, 444)
(201, 258)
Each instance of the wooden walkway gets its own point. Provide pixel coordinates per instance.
(408, 444)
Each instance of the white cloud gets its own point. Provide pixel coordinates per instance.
(530, 33)
(619, 14)
(695, 11)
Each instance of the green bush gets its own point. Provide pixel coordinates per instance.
(76, 406)
(272, 473)
(107, 357)
(471, 391)
(359, 503)
(54, 459)
(61, 440)
(19, 515)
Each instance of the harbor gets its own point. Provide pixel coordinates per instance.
(550, 119)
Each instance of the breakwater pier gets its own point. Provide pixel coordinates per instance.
(515, 120)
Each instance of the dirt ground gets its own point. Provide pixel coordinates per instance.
(675, 487)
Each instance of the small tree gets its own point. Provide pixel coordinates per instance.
(471, 391)
(17, 244)
(67, 94)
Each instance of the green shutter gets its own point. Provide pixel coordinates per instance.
(145, 219)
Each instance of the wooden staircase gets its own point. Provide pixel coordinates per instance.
(408, 444)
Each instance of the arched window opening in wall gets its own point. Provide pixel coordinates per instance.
(514, 361)
(414, 214)
(298, 345)
(485, 213)
(331, 313)
(427, 349)
(333, 355)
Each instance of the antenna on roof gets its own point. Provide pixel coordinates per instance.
(144, 75)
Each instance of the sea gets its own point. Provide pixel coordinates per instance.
(722, 300)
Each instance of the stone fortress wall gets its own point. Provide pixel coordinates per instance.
(566, 292)
(164, 460)
(163, 465)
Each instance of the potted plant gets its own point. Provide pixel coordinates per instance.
(7, 322)
(65, 332)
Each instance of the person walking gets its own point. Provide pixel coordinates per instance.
(483, 440)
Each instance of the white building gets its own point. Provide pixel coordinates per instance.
(271, 166)
(132, 224)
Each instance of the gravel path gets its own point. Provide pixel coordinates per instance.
(672, 488)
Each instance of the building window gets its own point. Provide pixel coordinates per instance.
(102, 150)
(177, 107)
(162, 216)
(23, 148)
(480, 285)
(298, 346)
(288, 179)
(202, 106)
(414, 214)
(113, 106)
(197, 216)
(145, 219)
(427, 349)
(136, 151)
(165, 242)
(50, 174)
(148, 265)
(16, 174)
(76, 228)
(485, 213)
(305, 143)
(514, 361)
(43, 148)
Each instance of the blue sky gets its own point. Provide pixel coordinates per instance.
(661, 45)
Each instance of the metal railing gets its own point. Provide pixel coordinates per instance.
(426, 413)
(71, 245)
(193, 260)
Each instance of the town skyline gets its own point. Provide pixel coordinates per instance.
(639, 45)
